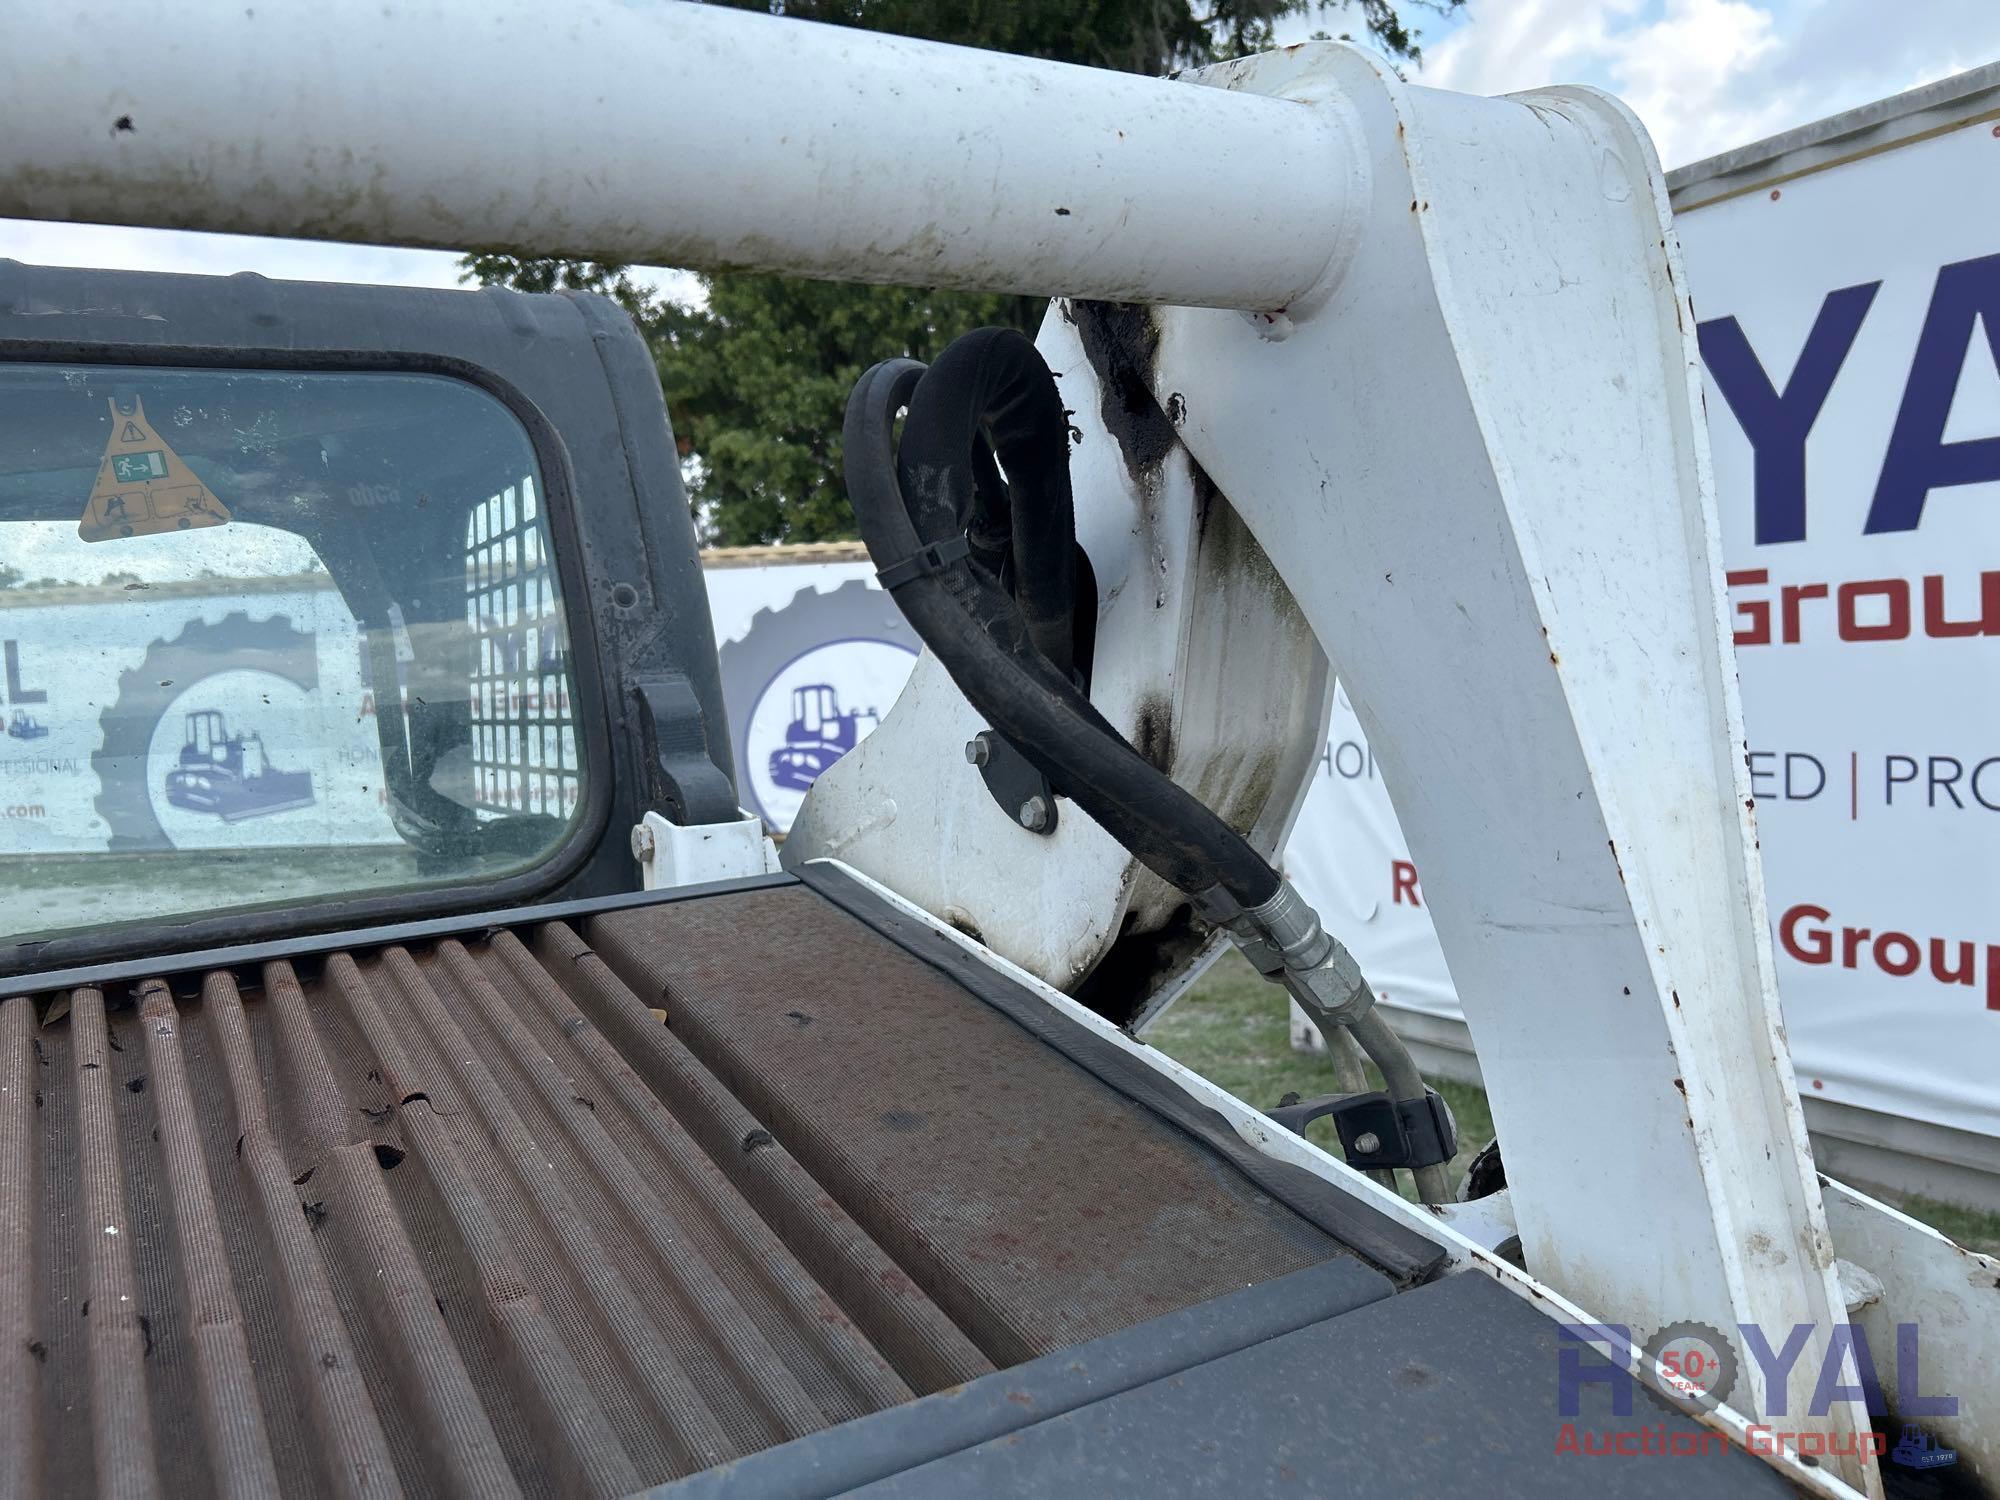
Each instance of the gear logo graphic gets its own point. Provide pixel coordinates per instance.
(1699, 1362)
(807, 683)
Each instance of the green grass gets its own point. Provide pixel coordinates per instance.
(1231, 1028)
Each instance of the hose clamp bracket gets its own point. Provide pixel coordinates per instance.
(925, 562)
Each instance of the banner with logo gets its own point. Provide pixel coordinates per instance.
(812, 656)
(122, 707)
(1850, 329)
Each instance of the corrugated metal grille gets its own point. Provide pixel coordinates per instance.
(1034, 1204)
(408, 1223)
(467, 1219)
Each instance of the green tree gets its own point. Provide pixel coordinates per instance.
(757, 378)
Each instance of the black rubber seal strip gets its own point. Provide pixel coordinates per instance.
(1402, 1254)
(247, 955)
(845, 1458)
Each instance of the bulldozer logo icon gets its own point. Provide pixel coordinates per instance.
(229, 774)
(143, 486)
(184, 705)
(818, 735)
(808, 683)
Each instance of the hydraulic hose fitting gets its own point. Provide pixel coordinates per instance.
(1284, 941)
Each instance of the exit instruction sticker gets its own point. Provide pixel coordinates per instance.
(143, 486)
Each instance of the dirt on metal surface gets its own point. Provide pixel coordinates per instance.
(466, 1218)
(1033, 1204)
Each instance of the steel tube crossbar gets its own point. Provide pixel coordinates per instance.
(664, 134)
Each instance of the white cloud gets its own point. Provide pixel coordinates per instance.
(1710, 75)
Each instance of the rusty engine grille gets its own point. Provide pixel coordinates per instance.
(466, 1218)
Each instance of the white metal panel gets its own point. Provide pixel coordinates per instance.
(677, 854)
(1467, 1253)
(1186, 598)
(1930, 1333)
(1481, 471)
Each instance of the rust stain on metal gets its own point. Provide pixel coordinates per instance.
(602, 1254)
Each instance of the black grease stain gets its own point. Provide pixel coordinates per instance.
(137, 1085)
(1153, 732)
(304, 1177)
(388, 1157)
(1122, 342)
(757, 1140)
(315, 1212)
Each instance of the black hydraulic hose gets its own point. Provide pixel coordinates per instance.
(981, 481)
(990, 396)
(980, 402)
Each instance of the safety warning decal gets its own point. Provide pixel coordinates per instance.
(143, 486)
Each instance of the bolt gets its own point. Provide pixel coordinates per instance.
(642, 843)
(977, 750)
(1035, 814)
(1367, 1143)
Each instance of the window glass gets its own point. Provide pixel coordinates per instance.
(267, 637)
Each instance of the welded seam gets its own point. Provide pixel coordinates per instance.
(121, 1416)
(22, 1346)
(353, 1451)
(695, 1433)
(587, 1449)
(929, 1350)
(844, 1373)
(239, 1448)
(458, 1435)
(732, 1339)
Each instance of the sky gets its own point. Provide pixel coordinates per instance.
(1705, 76)
(1709, 75)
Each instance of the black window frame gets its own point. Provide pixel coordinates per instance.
(632, 599)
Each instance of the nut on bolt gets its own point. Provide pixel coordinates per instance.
(642, 842)
(1367, 1143)
(1035, 814)
(978, 750)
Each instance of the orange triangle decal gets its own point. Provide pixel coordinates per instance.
(144, 487)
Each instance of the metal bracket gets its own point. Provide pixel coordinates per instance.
(1377, 1131)
(1023, 793)
(680, 777)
